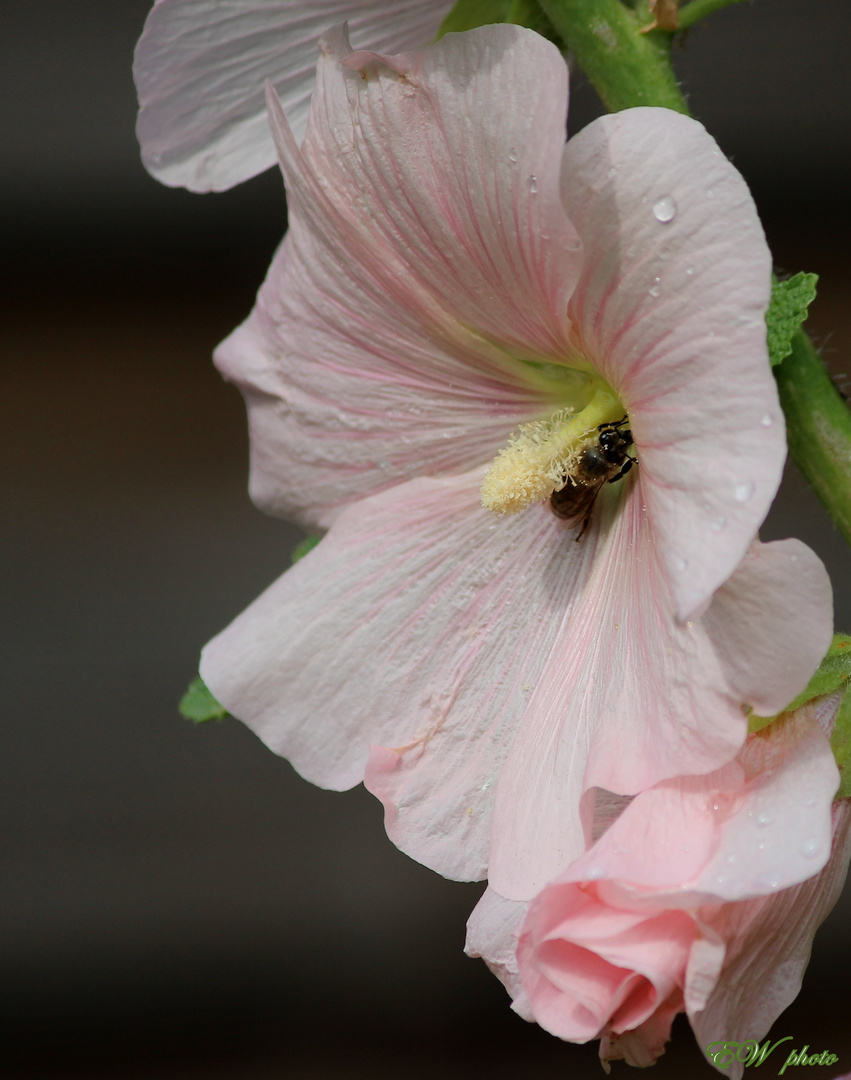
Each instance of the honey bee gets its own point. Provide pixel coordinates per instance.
(603, 459)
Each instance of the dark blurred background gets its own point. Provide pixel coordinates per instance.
(176, 902)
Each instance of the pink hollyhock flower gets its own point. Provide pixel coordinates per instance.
(200, 68)
(452, 271)
(703, 896)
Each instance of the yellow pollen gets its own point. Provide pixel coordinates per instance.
(531, 467)
(541, 456)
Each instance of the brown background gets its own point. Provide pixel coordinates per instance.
(176, 902)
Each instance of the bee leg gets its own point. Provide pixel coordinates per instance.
(585, 521)
(627, 465)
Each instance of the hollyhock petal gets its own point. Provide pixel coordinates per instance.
(630, 698)
(769, 943)
(427, 604)
(492, 932)
(759, 824)
(586, 965)
(372, 355)
(756, 636)
(470, 210)
(670, 307)
(644, 1045)
(200, 67)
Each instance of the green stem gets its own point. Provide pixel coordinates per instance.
(627, 68)
(819, 428)
(699, 9)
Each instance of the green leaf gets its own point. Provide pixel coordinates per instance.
(306, 545)
(833, 672)
(468, 14)
(787, 313)
(199, 705)
(840, 743)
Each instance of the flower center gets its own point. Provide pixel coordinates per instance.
(545, 454)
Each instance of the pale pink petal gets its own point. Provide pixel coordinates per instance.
(587, 966)
(420, 626)
(644, 1045)
(670, 307)
(377, 350)
(769, 944)
(445, 164)
(201, 65)
(629, 697)
(760, 824)
(750, 631)
(492, 932)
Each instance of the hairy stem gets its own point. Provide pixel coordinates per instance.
(626, 67)
(819, 428)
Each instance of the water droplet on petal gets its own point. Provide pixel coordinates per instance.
(512, 154)
(763, 819)
(681, 564)
(810, 848)
(689, 270)
(665, 209)
(656, 288)
(710, 193)
(533, 184)
(594, 872)
(742, 492)
(719, 522)
(766, 420)
(612, 172)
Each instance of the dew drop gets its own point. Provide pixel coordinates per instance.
(594, 872)
(761, 845)
(810, 848)
(656, 288)
(742, 492)
(689, 270)
(612, 172)
(731, 859)
(766, 419)
(763, 819)
(512, 154)
(766, 881)
(533, 184)
(681, 564)
(665, 209)
(719, 522)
